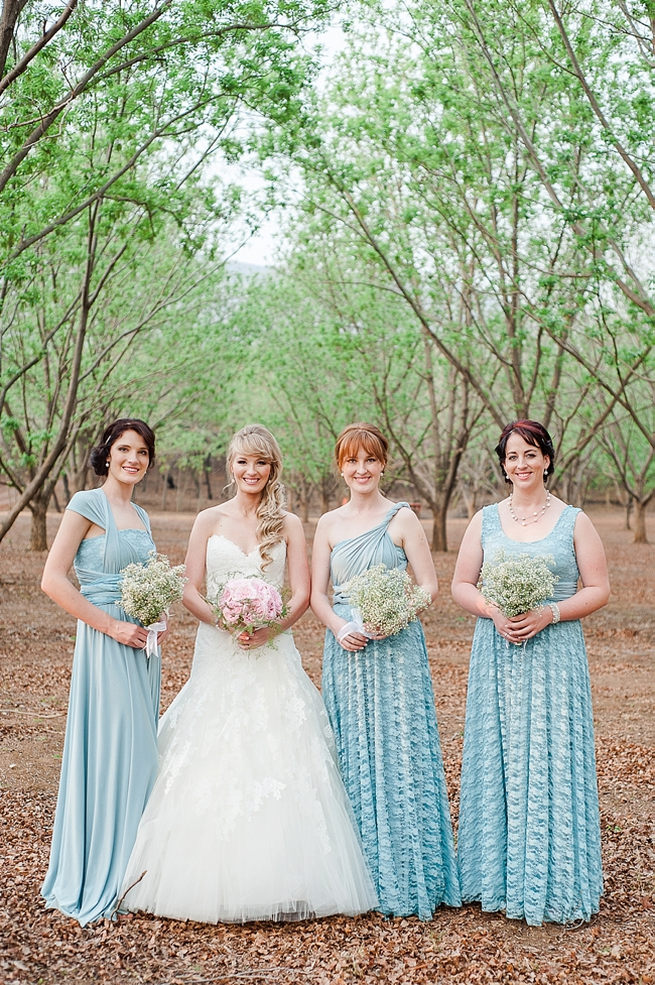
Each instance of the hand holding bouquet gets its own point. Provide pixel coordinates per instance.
(518, 583)
(147, 592)
(384, 601)
(244, 605)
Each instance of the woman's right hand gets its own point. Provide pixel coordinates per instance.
(128, 633)
(352, 640)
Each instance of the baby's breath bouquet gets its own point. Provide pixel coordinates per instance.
(519, 582)
(147, 592)
(384, 600)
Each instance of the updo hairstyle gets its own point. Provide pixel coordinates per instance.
(112, 433)
(255, 439)
(533, 433)
(361, 435)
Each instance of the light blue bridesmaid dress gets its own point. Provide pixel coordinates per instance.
(381, 708)
(529, 830)
(110, 749)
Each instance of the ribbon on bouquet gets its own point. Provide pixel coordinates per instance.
(356, 625)
(151, 641)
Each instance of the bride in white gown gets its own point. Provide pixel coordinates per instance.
(248, 818)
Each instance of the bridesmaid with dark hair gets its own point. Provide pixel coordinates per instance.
(529, 829)
(110, 749)
(378, 692)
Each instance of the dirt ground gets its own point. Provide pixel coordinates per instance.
(464, 945)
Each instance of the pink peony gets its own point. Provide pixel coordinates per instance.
(248, 604)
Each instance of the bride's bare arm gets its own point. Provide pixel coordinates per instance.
(195, 562)
(297, 570)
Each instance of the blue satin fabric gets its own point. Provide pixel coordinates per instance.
(110, 749)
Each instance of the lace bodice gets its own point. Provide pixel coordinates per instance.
(226, 560)
(558, 543)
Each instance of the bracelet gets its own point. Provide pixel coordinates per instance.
(554, 608)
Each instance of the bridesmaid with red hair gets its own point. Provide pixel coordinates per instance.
(378, 692)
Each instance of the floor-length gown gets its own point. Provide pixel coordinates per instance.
(248, 819)
(529, 831)
(381, 707)
(110, 749)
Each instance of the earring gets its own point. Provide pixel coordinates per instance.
(545, 474)
(381, 473)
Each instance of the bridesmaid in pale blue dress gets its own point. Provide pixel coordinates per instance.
(110, 749)
(529, 830)
(378, 692)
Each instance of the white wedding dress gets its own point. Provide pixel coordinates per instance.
(248, 818)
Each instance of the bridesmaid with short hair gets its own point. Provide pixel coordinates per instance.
(529, 825)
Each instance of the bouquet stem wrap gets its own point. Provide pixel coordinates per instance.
(151, 642)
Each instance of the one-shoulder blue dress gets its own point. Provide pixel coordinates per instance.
(529, 829)
(110, 749)
(381, 707)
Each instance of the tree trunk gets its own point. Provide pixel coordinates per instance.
(640, 523)
(439, 535)
(207, 472)
(38, 533)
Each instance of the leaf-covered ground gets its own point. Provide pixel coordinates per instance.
(457, 945)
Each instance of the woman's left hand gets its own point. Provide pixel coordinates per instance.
(524, 627)
(250, 641)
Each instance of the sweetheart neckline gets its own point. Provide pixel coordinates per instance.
(234, 544)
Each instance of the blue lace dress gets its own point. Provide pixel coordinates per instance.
(529, 830)
(110, 749)
(381, 708)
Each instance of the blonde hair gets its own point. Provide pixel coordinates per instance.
(255, 439)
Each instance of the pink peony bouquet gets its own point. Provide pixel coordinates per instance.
(247, 604)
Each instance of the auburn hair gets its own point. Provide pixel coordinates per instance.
(361, 435)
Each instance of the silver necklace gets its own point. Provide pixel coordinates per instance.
(533, 517)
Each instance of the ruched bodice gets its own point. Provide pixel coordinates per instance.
(375, 546)
(102, 586)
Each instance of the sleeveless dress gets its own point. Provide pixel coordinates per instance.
(248, 819)
(529, 829)
(381, 706)
(110, 749)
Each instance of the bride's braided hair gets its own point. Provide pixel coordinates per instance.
(255, 439)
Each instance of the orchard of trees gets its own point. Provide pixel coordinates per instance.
(466, 203)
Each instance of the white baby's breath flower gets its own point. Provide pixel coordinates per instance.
(519, 582)
(386, 599)
(149, 589)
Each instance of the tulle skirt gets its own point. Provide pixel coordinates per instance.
(248, 819)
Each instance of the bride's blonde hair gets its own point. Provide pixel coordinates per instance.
(255, 439)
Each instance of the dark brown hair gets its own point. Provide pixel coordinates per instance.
(361, 435)
(112, 433)
(533, 433)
